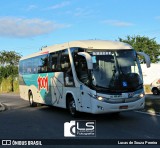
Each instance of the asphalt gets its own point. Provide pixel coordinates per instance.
(152, 100)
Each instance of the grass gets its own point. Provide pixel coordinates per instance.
(5, 86)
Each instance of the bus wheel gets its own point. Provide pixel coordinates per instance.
(72, 108)
(31, 102)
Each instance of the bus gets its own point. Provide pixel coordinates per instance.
(92, 76)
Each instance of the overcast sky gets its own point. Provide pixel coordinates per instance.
(27, 25)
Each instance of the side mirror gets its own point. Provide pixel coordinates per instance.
(146, 57)
(88, 59)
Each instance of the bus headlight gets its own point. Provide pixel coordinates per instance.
(100, 98)
(96, 97)
(141, 95)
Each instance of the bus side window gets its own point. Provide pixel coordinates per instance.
(25, 67)
(53, 59)
(43, 64)
(66, 68)
(29, 66)
(35, 66)
(81, 69)
(64, 60)
(21, 71)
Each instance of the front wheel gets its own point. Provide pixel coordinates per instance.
(72, 108)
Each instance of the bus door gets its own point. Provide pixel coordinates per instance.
(85, 98)
(83, 76)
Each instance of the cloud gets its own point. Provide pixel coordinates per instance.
(31, 7)
(82, 12)
(118, 23)
(60, 5)
(22, 27)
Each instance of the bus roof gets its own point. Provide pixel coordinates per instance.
(88, 44)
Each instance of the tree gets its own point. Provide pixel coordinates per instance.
(144, 44)
(9, 57)
(9, 65)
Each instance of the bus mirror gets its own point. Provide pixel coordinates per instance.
(146, 57)
(88, 59)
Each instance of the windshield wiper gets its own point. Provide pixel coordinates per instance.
(100, 88)
(97, 87)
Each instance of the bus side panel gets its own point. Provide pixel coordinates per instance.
(57, 89)
(23, 89)
(40, 85)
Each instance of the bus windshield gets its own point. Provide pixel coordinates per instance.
(117, 70)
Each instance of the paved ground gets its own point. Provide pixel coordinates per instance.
(150, 97)
(20, 121)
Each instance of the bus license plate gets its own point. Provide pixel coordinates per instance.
(123, 107)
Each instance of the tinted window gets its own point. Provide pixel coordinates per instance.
(42, 64)
(54, 61)
(64, 60)
(81, 68)
(34, 65)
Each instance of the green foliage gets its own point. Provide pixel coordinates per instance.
(9, 57)
(6, 86)
(144, 44)
(9, 66)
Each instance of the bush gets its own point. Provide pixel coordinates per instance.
(6, 86)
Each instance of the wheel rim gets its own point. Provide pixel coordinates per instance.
(72, 107)
(31, 99)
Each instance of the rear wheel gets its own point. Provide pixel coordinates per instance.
(31, 101)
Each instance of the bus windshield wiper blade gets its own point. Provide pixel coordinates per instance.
(100, 87)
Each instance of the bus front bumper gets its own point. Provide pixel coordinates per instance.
(100, 107)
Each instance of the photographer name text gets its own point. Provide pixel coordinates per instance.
(134, 142)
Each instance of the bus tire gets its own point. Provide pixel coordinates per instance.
(31, 101)
(72, 107)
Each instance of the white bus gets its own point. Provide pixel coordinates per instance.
(93, 76)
